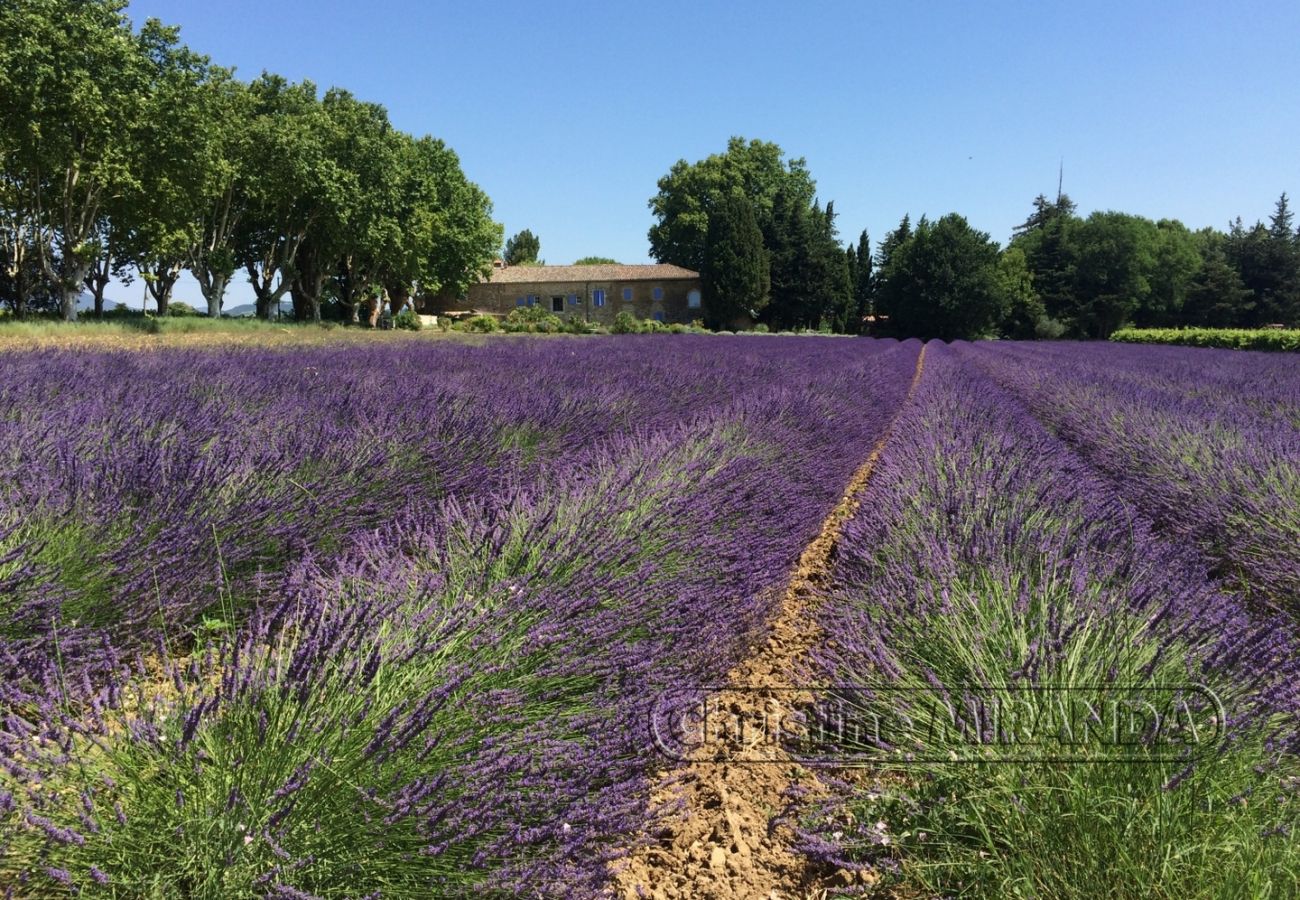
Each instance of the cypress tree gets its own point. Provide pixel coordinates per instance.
(863, 281)
(736, 277)
(788, 245)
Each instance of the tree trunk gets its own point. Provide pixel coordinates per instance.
(214, 294)
(98, 283)
(97, 279)
(161, 289)
(71, 283)
(306, 300)
(22, 290)
(68, 303)
(398, 297)
(262, 290)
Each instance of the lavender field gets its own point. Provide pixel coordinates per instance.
(388, 620)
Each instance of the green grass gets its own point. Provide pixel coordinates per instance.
(144, 332)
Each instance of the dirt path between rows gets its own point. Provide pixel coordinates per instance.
(716, 841)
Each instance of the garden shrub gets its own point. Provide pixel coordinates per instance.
(408, 319)
(625, 323)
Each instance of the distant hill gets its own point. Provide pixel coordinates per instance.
(87, 302)
(249, 309)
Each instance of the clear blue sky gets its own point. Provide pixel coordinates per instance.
(568, 113)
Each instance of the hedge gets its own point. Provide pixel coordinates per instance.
(1231, 338)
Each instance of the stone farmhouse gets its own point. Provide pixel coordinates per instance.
(664, 293)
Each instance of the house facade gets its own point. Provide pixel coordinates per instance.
(661, 292)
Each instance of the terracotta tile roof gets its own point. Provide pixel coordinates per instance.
(547, 274)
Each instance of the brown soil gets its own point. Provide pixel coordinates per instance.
(714, 836)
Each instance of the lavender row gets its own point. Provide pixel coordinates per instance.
(1205, 442)
(453, 700)
(990, 562)
(155, 487)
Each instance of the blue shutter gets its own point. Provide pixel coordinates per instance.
(659, 293)
(627, 293)
(519, 301)
(659, 317)
(573, 299)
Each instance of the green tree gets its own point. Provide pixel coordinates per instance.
(1045, 213)
(851, 266)
(1280, 298)
(155, 223)
(1216, 296)
(832, 287)
(1114, 257)
(756, 169)
(1023, 310)
(522, 249)
(23, 286)
(1249, 253)
(357, 213)
(790, 245)
(735, 274)
(863, 278)
(1047, 240)
(290, 183)
(810, 277)
(1175, 261)
(942, 281)
(221, 154)
(889, 247)
(596, 261)
(448, 239)
(72, 89)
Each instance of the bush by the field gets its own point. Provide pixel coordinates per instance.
(408, 319)
(533, 319)
(625, 323)
(480, 325)
(1230, 338)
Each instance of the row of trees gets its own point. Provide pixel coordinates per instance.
(123, 153)
(749, 221)
(1064, 275)
(1094, 274)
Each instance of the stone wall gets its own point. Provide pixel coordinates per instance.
(578, 299)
